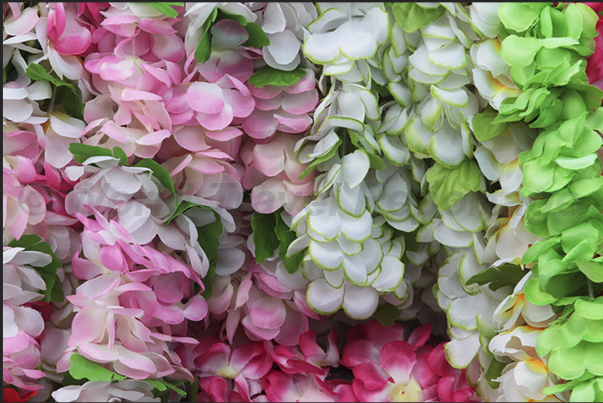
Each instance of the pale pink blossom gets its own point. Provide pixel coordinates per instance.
(126, 390)
(272, 174)
(286, 109)
(214, 106)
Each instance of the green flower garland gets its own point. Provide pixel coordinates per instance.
(547, 48)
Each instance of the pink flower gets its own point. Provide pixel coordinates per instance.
(272, 174)
(594, 67)
(283, 387)
(64, 31)
(214, 106)
(246, 364)
(286, 109)
(387, 368)
(308, 358)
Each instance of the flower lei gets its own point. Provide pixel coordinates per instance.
(302, 201)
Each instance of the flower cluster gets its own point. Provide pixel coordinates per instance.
(302, 202)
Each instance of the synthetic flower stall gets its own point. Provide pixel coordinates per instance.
(330, 202)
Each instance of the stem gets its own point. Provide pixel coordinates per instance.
(591, 292)
(54, 93)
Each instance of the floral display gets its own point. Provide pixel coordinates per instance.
(318, 202)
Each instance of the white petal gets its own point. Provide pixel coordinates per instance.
(323, 298)
(360, 303)
(460, 353)
(392, 271)
(9, 327)
(355, 270)
(372, 254)
(456, 97)
(452, 238)
(349, 247)
(451, 56)
(326, 222)
(334, 278)
(355, 167)
(395, 151)
(328, 256)
(351, 201)
(284, 46)
(356, 229)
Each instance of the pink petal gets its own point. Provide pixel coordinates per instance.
(75, 39)
(420, 335)
(298, 104)
(292, 123)
(437, 361)
(398, 359)
(370, 376)
(168, 47)
(205, 97)
(269, 196)
(260, 125)
(445, 388)
(267, 312)
(196, 308)
(216, 121)
(24, 23)
(269, 158)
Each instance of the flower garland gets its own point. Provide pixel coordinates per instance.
(302, 201)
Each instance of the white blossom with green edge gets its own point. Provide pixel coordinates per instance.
(344, 35)
(285, 24)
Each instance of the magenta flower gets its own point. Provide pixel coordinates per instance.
(594, 67)
(387, 368)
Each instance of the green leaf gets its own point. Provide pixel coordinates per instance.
(82, 367)
(209, 239)
(164, 385)
(203, 51)
(411, 16)
(121, 155)
(4, 74)
(500, 276)
(71, 101)
(264, 235)
(257, 37)
(162, 174)
(81, 152)
(318, 160)
(269, 76)
(226, 15)
(66, 94)
(166, 8)
(484, 127)
(449, 185)
(54, 291)
(387, 314)
(494, 371)
(285, 237)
